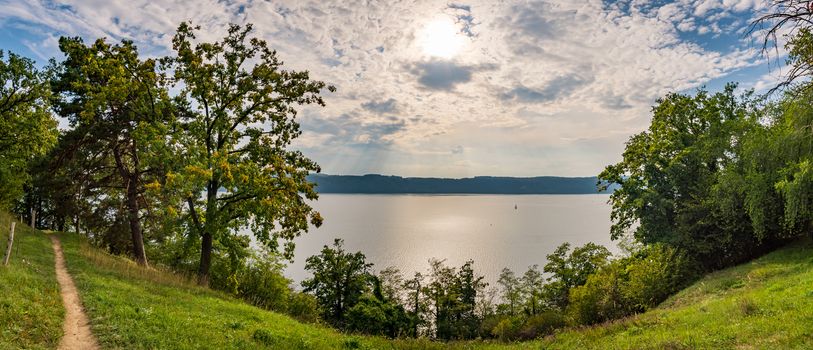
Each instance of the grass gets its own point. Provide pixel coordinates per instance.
(764, 304)
(31, 311)
(131, 307)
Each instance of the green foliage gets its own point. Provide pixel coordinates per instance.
(682, 180)
(630, 285)
(511, 291)
(760, 304)
(27, 129)
(133, 307)
(452, 296)
(376, 315)
(238, 121)
(512, 328)
(121, 114)
(571, 269)
(339, 281)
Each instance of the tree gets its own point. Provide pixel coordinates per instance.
(27, 128)
(453, 295)
(378, 314)
(415, 303)
(120, 111)
(532, 283)
(239, 126)
(791, 19)
(669, 174)
(511, 290)
(570, 269)
(339, 280)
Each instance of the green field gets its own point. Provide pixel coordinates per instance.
(764, 304)
(31, 310)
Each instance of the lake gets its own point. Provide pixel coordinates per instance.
(406, 230)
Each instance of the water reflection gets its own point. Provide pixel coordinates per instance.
(495, 230)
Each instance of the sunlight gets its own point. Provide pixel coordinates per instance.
(440, 38)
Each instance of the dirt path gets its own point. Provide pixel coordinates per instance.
(76, 328)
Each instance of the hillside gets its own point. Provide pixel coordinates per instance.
(764, 304)
(31, 309)
(767, 303)
(374, 183)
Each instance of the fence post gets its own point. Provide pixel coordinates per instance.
(10, 242)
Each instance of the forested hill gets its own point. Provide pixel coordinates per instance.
(374, 183)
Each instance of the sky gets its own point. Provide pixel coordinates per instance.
(452, 88)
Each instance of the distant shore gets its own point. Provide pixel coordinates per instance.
(387, 184)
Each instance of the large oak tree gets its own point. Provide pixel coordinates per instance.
(240, 172)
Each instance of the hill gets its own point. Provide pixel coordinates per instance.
(766, 303)
(374, 183)
(763, 304)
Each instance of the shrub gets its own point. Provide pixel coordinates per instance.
(303, 307)
(542, 324)
(377, 316)
(654, 275)
(599, 299)
(508, 328)
(263, 284)
(630, 285)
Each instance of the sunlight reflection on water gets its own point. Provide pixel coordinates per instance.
(406, 230)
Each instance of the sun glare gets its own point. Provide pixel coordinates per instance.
(440, 38)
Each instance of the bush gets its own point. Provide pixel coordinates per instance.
(599, 299)
(372, 315)
(653, 276)
(542, 324)
(263, 285)
(630, 285)
(303, 307)
(508, 328)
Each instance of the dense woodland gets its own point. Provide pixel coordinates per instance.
(167, 160)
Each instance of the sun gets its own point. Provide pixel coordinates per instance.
(440, 38)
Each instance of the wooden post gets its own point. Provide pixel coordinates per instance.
(10, 242)
(33, 218)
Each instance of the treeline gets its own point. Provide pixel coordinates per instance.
(164, 159)
(578, 286)
(373, 183)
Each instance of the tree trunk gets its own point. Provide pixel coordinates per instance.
(135, 222)
(205, 259)
(205, 230)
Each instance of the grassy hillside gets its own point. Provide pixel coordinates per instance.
(31, 310)
(764, 304)
(767, 303)
(135, 308)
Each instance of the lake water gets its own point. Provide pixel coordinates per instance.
(406, 230)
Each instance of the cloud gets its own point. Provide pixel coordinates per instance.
(555, 89)
(350, 129)
(441, 75)
(529, 75)
(381, 107)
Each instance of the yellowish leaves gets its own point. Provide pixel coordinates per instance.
(198, 171)
(153, 186)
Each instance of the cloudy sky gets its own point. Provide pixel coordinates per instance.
(452, 89)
